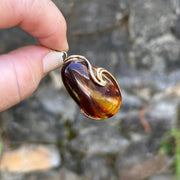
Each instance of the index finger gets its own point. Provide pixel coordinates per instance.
(40, 18)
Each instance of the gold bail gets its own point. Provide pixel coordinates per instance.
(65, 55)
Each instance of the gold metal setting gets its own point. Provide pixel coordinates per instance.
(97, 93)
(98, 77)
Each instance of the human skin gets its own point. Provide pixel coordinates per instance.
(22, 69)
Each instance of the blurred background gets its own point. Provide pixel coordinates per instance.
(46, 137)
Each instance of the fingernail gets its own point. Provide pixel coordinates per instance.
(66, 45)
(53, 60)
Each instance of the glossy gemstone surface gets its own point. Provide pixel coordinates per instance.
(96, 101)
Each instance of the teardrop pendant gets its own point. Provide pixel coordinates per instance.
(94, 89)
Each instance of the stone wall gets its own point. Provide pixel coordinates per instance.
(139, 43)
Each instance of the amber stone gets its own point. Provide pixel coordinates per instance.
(96, 101)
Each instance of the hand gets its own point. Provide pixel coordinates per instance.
(21, 70)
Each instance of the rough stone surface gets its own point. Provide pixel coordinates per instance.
(139, 43)
(99, 140)
(150, 19)
(176, 29)
(162, 177)
(62, 174)
(149, 166)
(27, 159)
(91, 168)
(103, 18)
(38, 126)
(154, 45)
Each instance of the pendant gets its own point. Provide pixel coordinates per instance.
(94, 89)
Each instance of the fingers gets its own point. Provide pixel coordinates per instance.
(40, 18)
(21, 71)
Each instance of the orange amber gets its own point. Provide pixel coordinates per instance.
(95, 100)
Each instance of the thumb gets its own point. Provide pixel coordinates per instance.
(21, 71)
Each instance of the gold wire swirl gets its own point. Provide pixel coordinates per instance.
(99, 79)
(65, 55)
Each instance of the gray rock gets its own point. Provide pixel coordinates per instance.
(164, 109)
(66, 7)
(94, 16)
(48, 175)
(162, 177)
(154, 47)
(138, 162)
(96, 167)
(14, 38)
(130, 101)
(68, 175)
(158, 55)
(100, 140)
(176, 29)
(30, 122)
(131, 123)
(133, 155)
(62, 174)
(149, 19)
(57, 102)
(7, 176)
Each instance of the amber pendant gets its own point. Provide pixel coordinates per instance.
(94, 89)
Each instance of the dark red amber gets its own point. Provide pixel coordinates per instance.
(96, 101)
